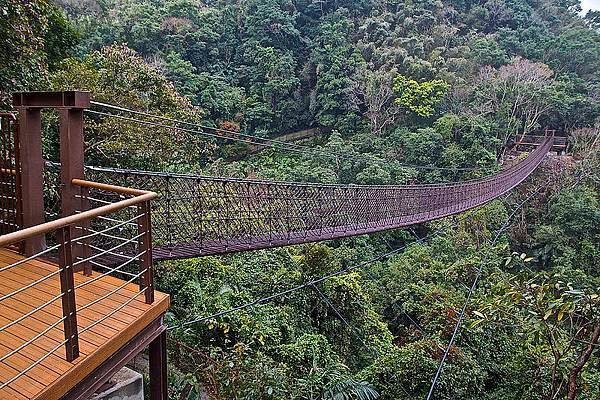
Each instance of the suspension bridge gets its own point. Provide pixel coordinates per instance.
(197, 215)
(94, 254)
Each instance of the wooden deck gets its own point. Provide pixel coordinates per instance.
(54, 376)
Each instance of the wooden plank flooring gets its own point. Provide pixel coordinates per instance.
(54, 376)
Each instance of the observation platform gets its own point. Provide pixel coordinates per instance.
(77, 298)
(111, 313)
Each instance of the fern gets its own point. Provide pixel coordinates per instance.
(350, 389)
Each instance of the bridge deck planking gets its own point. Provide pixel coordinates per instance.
(54, 376)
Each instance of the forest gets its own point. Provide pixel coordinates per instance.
(393, 86)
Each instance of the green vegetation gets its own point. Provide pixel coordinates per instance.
(35, 37)
(420, 98)
(116, 75)
(438, 83)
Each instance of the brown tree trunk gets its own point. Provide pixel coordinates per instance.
(581, 360)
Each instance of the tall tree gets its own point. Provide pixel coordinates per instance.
(35, 36)
(117, 75)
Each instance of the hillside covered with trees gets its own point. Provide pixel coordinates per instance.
(396, 85)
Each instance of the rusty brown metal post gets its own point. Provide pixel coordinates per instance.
(32, 175)
(84, 249)
(18, 181)
(72, 167)
(71, 158)
(145, 249)
(29, 106)
(157, 360)
(67, 288)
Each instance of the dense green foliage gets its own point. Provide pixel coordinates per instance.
(35, 37)
(116, 75)
(419, 82)
(491, 69)
(528, 322)
(420, 98)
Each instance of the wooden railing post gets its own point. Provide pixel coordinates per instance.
(145, 247)
(67, 288)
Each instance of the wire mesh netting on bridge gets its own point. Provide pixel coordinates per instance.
(198, 215)
(10, 185)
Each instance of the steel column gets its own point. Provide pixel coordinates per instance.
(67, 288)
(145, 248)
(71, 159)
(32, 175)
(157, 359)
(29, 106)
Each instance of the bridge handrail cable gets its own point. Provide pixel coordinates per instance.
(251, 139)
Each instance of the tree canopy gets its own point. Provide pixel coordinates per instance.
(394, 84)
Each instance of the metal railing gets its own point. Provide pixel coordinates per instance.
(531, 140)
(91, 238)
(10, 178)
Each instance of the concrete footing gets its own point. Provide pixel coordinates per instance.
(124, 385)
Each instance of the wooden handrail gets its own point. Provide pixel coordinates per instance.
(141, 196)
(111, 188)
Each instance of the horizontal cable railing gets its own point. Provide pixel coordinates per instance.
(198, 215)
(100, 232)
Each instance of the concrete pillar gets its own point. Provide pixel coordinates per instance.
(124, 385)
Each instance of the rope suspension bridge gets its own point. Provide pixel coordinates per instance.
(197, 215)
(118, 220)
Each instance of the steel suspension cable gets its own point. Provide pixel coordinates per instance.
(160, 117)
(284, 213)
(252, 139)
(296, 148)
(479, 271)
(159, 125)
